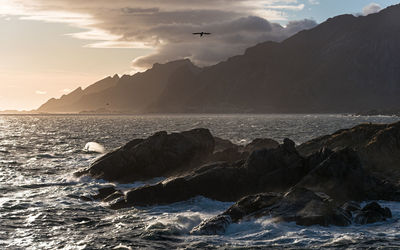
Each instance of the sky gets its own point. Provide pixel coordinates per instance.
(50, 47)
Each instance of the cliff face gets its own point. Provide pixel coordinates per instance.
(346, 64)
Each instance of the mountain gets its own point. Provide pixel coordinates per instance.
(130, 94)
(346, 64)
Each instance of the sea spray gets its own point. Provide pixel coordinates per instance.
(94, 147)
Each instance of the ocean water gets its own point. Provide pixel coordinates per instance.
(39, 154)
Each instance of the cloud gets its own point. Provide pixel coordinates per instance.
(40, 92)
(371, 9)
(166, 26)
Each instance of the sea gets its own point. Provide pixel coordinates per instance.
(39, 208)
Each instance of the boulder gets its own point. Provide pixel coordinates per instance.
(264, 171)
(300, 205)
(159, 155)
(378, 146)
(225, 150)
(261, 143)
(372, 213)
(342, 177)
(104, 192)
(212, 226)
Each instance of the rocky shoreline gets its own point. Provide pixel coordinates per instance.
(320, 182)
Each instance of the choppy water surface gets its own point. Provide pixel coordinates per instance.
(39, 154)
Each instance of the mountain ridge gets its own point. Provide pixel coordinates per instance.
(345, 64)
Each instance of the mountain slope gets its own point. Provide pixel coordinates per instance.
(346, 64)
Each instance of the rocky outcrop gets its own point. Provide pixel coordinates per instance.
(378, 146)
(342, 177)
(265, 170)
(320, 186)
(161, 154)
(299, 205)
(226, 151)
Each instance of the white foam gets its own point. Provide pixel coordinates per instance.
(94, 147)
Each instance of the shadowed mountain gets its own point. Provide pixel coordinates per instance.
(346, 64)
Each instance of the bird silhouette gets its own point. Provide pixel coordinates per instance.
(201, 33)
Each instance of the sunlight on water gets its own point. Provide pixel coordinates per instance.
(39, 154)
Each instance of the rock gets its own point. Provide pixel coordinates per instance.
(342, 177)
(229, 155)
(264, 171)
(212, 226)
(161, 154)
(372, 213)
(260, 143)
(104, 192)
(117, 194)
(299, 205)
(223, 144)
(351, 206)
(378, 146)
(229, 152)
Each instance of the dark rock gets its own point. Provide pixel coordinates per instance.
(212, 226)
(229, 155)
(261, 143)
(161, 154)
(104, 192)
(229, 152)
(342, 177)
(299, 205)
(372, 213)
(264, 171)
(378, 146)
(117, 194)
(351, 206)
(223, 144)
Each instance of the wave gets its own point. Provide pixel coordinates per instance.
(94, 147)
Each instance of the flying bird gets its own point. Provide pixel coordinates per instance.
(201, 33)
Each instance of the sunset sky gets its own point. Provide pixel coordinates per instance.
(50, 47)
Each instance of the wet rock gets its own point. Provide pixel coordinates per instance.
(223, 144)
(372, 213)
(230, 155)
(378, 146)
(265, 170)
(261, 143)
(299, 205)
(104, 192)
(212, 226)
(342, 177)
(117, 194)
(351, 206)
(161, 154)
(229, 152)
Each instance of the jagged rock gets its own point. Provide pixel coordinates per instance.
(351, 206)
(372, 213)
(265, 170)
(161, 154)
(104, 192)
(378, 146)
(299, 205)
(223, 144)
(227, 151)
(261, 143)
(212, 226)
(342, 177)
(117, 194)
